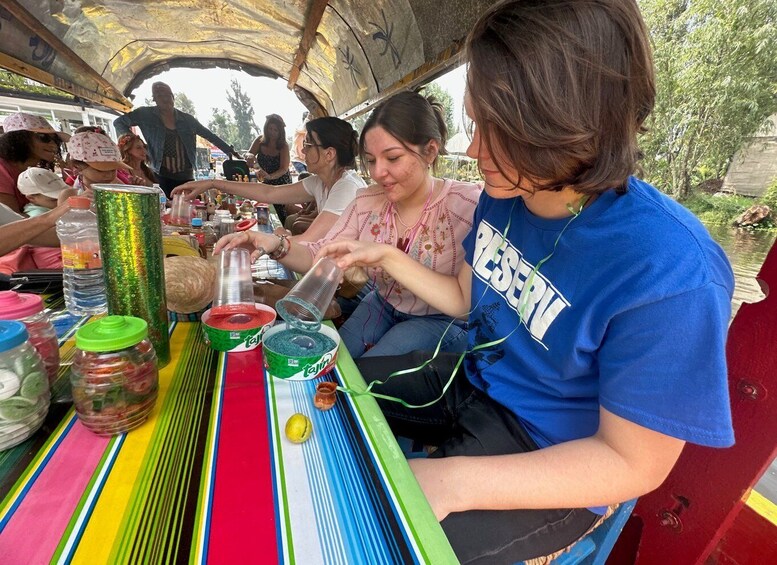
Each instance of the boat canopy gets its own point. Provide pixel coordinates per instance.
(339, 56)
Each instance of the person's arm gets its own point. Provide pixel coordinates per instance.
(39, 230)
(450, 295)
(122, 124)
(621, 461)
(318, 228)
(202, 131)
(298, 258)
(282, 194)
(284, 167)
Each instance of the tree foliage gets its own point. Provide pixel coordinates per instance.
(17, 83)
(184, 104)
(443, 97)
(223, 125)
(243, 112)
(716, 65)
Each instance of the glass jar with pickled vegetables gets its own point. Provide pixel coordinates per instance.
(24, 388)
(28, 309)
(115, 376)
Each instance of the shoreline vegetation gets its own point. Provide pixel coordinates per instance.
(723, 208)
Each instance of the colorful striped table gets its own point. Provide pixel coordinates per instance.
(210, 477)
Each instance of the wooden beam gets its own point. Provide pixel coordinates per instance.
(315, 14)
(448, 58)
(34, 25)
(34, 73)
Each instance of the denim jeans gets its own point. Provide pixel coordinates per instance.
(467, 422)
(392, 332)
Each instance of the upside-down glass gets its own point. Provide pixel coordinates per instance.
(234, 292)
(304, 306)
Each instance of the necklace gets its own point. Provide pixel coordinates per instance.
(410, 232)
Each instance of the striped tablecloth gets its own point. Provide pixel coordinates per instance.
(210, 477)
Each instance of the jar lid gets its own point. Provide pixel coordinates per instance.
(12, 334)
(15, 305)
(111, 333)
(196, 222)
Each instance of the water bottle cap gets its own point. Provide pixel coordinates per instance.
(79, 202)
(196, 222)
(111, 333)
(12, 334)
(15, 305)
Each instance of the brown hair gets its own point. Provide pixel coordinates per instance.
(560, 89)
(124, 143)
(412, 119)
(336, 133)
(280, 142)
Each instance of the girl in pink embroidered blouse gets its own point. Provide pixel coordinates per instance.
(407, 207)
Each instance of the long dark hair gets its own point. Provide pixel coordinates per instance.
(561, 88)
(16, 146)
(412, 119)
(336, 133)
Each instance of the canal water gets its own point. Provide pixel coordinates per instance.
(747, 250)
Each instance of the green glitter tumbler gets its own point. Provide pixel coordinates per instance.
(131, 246)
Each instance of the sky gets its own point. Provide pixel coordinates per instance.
(207, 89)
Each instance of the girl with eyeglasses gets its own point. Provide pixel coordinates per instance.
(330, 151)
(27, 141)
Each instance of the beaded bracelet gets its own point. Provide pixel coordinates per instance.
(284, 246)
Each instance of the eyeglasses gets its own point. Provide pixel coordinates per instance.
(47, 137)
(307, 144)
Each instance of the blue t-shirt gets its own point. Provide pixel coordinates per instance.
(630, 312)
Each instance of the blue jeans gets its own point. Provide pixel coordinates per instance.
(392, 332)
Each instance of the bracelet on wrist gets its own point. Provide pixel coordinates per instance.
(284, 246)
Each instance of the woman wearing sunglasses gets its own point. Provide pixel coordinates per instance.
(330, 149)
(26, 141)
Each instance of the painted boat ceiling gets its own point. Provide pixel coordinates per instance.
(361, 51)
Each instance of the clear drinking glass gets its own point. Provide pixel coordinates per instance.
(304, 306)
(234, 293)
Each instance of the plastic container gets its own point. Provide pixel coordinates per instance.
(211, 237)
(28, 309)
(82, 273)
(114, 376)
(24, 388)
(227, 226)
(181, 211)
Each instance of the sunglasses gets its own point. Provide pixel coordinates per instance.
(47, 137)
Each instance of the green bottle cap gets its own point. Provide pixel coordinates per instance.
(111, 333)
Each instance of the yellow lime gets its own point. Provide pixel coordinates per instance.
(298, 428)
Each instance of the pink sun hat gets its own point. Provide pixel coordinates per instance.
(97, 150)
(29, 122)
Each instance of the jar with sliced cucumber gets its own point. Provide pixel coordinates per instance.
(28, 309)
(24, 387)
(114, 375)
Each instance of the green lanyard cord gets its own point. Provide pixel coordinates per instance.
(526, 289)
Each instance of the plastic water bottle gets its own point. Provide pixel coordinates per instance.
(82, 273)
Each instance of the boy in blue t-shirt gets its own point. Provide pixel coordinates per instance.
(597, 307)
